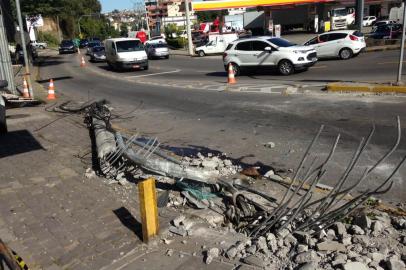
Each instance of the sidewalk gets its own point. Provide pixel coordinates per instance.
(50, 214)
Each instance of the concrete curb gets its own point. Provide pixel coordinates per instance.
(382, 48)
(371, 88)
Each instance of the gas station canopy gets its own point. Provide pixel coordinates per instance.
(199, 5)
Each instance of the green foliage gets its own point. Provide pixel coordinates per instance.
(209, 16)
(48, 37)
(124, 30)
(177, 43)
(171, 29)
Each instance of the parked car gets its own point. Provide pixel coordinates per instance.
(39, 44)
(382, 22)
(368, 20)
(83, 43)
(386, 31)
(92, 44)
(343, 44)
(98, 54)
(156, 40)
(157, 50)
(268, 51)
(126, 53)
(67, 46)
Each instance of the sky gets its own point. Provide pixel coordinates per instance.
(109, 5)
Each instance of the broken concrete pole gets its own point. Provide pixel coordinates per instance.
(105, 142)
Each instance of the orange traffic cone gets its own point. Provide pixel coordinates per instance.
(231, 78)
(26, 93)
(51, 90)
(83, 63)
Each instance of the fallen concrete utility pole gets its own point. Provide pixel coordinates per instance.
(165, 167)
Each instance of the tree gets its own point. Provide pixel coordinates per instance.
(124, 30)
(209, 16)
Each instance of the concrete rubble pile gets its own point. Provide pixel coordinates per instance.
(299, 229)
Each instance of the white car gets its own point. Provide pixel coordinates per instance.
(268, 51)
(343, 44)
(156, 40)
(368, 20)
(39, 45)
(126, 53)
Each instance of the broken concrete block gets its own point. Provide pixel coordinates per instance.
(355, 266)
(231, 252)
(355, 229)
(169, 252)
(331, 235)
(177, 221)
(254, 261)
(340, 229)
(346, 241)
(377, 227)
(308, 266)
(376, 256)
(179, 231)
(363, 221)
(211, 254)
(330, 246)
(394, 264)
(305, 257)
(302, 248)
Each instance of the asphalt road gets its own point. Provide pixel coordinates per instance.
(191, 120)
(367, 67)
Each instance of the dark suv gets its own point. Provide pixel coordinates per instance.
(67, 46)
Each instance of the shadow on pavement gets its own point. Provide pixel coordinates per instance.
(129, 221)
(18, 142)
(55, 79)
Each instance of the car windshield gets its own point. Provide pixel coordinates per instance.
(280, 42)
(160, 45)
(67, 43)
(129, 46)
(98, 49)
(94, 44)
(339, 12)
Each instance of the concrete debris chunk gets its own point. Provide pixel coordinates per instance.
(231, 252)
(377, 227)
(254, 261)
(346, 241)
(211, 254)
(306, 257)
(179, 231)
(270, 145)
(376, 256)
(308, 266)
(355, 229)
(355, 266)
(261, 244)
(364, 240)
(169, 252)
(178, 220)
(330, 246)
(252, 249)
(394, 264)
(340, 229)
(302, 248)
(209, 164)
(90, 173)
(363, 221)
(269, 173)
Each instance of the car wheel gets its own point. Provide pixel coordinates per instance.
(146, 67)
(167, 57)
(201, 53)
(285, 67)
(345, 53)
(42, 47)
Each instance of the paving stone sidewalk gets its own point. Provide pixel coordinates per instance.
(50, 214)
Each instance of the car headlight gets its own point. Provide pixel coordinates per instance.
(300, 51)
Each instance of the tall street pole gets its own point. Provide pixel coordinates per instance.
(26, 63)
(359, 14)
(402, 46)
(188, 29)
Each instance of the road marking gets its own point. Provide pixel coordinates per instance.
(154, 74)
(318, 67)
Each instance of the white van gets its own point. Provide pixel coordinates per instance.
(126, 53)
(217, 44)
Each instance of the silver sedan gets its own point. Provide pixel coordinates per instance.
(157, 50)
